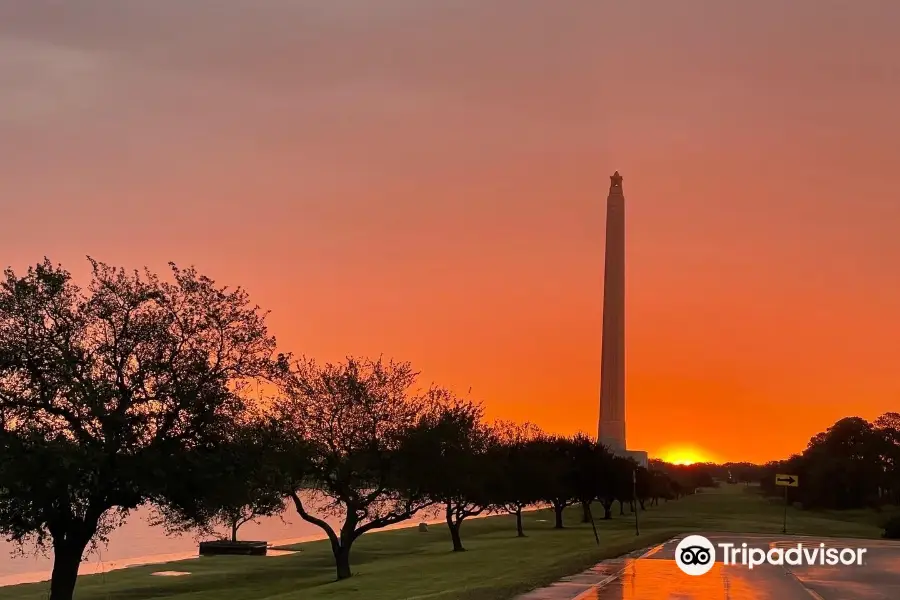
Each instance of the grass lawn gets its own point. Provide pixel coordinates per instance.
(408, 564)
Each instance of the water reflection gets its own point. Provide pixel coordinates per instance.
(93, 568)
(650, 579)
(137, 543)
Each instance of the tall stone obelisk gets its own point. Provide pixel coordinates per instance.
(611, 431)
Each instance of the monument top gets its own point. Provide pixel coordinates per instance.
(615, 179)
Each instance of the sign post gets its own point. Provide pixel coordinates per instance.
(637, 505)
(593, 525)
(786, 481)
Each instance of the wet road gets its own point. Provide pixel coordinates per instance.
(656, 576)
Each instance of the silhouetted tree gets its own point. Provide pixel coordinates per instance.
(512, 484)
(231, 483)
(99, 389)
(591, 466)
(554, 468)
(745, 472)
(844, 467)
(445, 458)
(616, 483)
(643, 486)
(355, 417)
(623, 473)
(677, 481)
(888, 427)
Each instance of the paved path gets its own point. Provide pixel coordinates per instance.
(654, 575)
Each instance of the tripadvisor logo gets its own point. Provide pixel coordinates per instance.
(696, 555)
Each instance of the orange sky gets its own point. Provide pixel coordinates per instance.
(428, 180)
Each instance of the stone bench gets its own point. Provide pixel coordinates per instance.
(225, 547)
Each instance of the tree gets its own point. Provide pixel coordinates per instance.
(643, 486)
(843, 466)
(889, 420)
(355, 416)
(446, 459)
(510, 458)
(654, 484)
(591, 464)
(99, 389)
(673, 480)
(888, 427)
(744, 472)
(230, 484)
(608, 486)
(617, 483)
(555, 470)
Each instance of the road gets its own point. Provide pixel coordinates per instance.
(656, 576)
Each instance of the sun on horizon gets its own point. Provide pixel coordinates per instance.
(684, 455)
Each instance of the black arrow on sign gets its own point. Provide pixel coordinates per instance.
(786, 479)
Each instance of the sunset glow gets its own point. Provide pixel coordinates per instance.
(440, 197)
(685, 455)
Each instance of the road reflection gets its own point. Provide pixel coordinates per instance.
(650, 579)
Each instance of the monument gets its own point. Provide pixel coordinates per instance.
(611, 429)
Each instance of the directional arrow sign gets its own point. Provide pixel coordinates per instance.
(787, 480)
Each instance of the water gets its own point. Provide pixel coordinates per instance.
(137, 542)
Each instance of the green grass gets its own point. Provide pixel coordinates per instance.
(407, 564)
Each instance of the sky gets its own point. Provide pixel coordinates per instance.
(427, 181)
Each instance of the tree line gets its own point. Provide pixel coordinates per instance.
(855, 463)
(136, 391)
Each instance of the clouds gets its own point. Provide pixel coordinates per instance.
(350, 85)
(41, 81)
(476, 51)
(429, 151)
(498, 76)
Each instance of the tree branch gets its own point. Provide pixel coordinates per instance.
(332, 536)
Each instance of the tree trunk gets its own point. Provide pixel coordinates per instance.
(585, 512)
(340, 545)
(621, 508)
(641, 502)
(558, 510)
(454, 529)
(607, 512)
(66, 562)
(454, 535)
(234, 530)
(520, 531)
(342, 561)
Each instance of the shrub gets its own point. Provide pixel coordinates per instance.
(892, 529)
